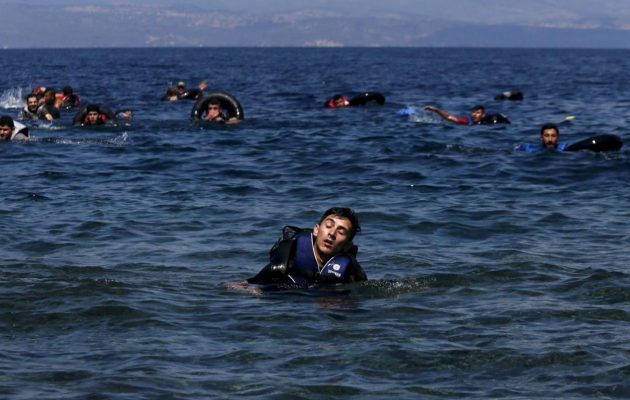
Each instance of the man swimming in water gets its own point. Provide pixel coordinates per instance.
(477, 114)
(30, 109)
(214, 113)
(10, 130)
(180, 91)
(549, 139)
(324, 254)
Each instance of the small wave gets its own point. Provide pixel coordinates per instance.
(12, 98)
(118, 140)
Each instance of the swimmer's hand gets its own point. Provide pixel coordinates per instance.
(243, 286)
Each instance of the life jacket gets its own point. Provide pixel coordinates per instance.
(304, 270)
(19, 129)
(292, 261)
(27, 114)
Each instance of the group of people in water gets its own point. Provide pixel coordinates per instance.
(44, 103)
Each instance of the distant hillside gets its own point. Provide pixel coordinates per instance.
(46, 25)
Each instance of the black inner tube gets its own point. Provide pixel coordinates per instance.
(605, 142)
(79, 117)
(229, 105)
(367, 98)
(495, 119)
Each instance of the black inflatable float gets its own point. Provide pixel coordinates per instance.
(229, 104)
(605, 142)
(366, 98)
(495, 119)
(509, 96)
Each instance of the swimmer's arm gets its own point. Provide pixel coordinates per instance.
(203, 85)
(444, 114)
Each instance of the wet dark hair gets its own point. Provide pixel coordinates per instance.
(31, 95)
(343, 212)
(337, 97)
(549, 126)
(6, 120)
(67, 90)
(92, 107)
(214, 101)
(478, 107)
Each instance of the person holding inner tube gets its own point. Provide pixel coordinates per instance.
(324, 254)
(12, 131)
(549, 139)
(477, 114)
(214, 113)
(94, 115)
(338, 101)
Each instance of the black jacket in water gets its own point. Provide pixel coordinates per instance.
(292, 261)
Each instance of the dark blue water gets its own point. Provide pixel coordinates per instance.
(493, 273)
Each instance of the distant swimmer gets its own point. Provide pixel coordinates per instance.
(29, 112)
(12, 131)
(217, 106)
(47, 109)
(550, 140)
(67, 98)
(95, 115)
(180, 92)
(477, 116)
(361, 99)
(324, 254)
(215, 113)
(337, 101)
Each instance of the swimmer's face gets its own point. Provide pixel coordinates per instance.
(331, 236)
(477, 115)
(549, 138)
(5, 132)
(31, 104)
(213, 110)
(49, 98)
(92, 117)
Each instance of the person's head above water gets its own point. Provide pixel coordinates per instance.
(549, 136)
(31, 103)
(477, 113)
(6, 127)
(93, 115)
(334, 232)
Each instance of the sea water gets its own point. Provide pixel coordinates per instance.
(492, 273)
